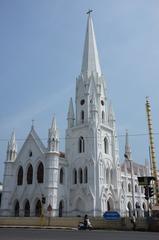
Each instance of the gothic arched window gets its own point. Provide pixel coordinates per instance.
(30, 174)
(81, 145)
(61, 176)
(82, 116)
(20, 176)
(80, 174)
(40, 173)
(106, 146)
(85, 175)
(74, 176)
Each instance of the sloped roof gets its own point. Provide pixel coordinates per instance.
(37, 139)
(136, 167)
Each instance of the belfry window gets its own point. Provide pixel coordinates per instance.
(85, 175)
(20, 176)
(40, 173)
(30, 174)
(74, 176)
(81, 145)
(80, 175)
(106, 147)
(82, 116)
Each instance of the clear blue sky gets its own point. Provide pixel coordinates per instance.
(41, 46)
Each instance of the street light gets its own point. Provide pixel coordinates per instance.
(132, 182)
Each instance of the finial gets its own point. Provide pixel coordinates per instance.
(89, 11)
(32, 123)
(147, 98)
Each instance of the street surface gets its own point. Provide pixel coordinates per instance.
(54, 234)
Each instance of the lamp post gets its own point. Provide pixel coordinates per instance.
(132, 182)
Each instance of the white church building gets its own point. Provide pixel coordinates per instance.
(88, 177)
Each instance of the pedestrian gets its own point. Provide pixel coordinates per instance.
(133, 221)
(87, 223)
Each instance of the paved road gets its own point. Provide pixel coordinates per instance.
(47, 234)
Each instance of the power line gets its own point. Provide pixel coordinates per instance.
(64, 138)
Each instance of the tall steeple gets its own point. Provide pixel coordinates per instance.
(70, 114)
(90, 62)
(127, 147)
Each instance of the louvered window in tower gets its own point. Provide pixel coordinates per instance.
(61, 176)
(80, 174)
(106, 147)
(74, 176)
(85, 175)
(82, 116)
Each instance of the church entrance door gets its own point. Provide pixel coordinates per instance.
(27, 209)
(61, 207)
(38, 209)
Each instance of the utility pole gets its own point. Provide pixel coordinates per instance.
(152, 150)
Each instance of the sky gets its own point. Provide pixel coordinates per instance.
(41, 48)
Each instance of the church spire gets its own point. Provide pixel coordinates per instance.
(127, 147)
(70, 114)
(53, 137)
(90, 62)
(12, 148)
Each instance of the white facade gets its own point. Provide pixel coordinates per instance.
(88, 178)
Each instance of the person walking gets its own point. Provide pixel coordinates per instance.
(87, 223)
(133, 221)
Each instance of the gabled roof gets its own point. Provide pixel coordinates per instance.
(37, 140)
(32, 134)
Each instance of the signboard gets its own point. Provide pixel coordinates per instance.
(144, 181)
(111, 215)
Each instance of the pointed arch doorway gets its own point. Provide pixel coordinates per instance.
(27, 209)
(110, 204)
(16, 209)
(61, 208)
(38, 209)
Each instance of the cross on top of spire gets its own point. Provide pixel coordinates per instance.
(89, 11)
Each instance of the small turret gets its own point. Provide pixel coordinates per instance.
(12, 148)
(52, 168)
(53, 137)
(70, 115)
